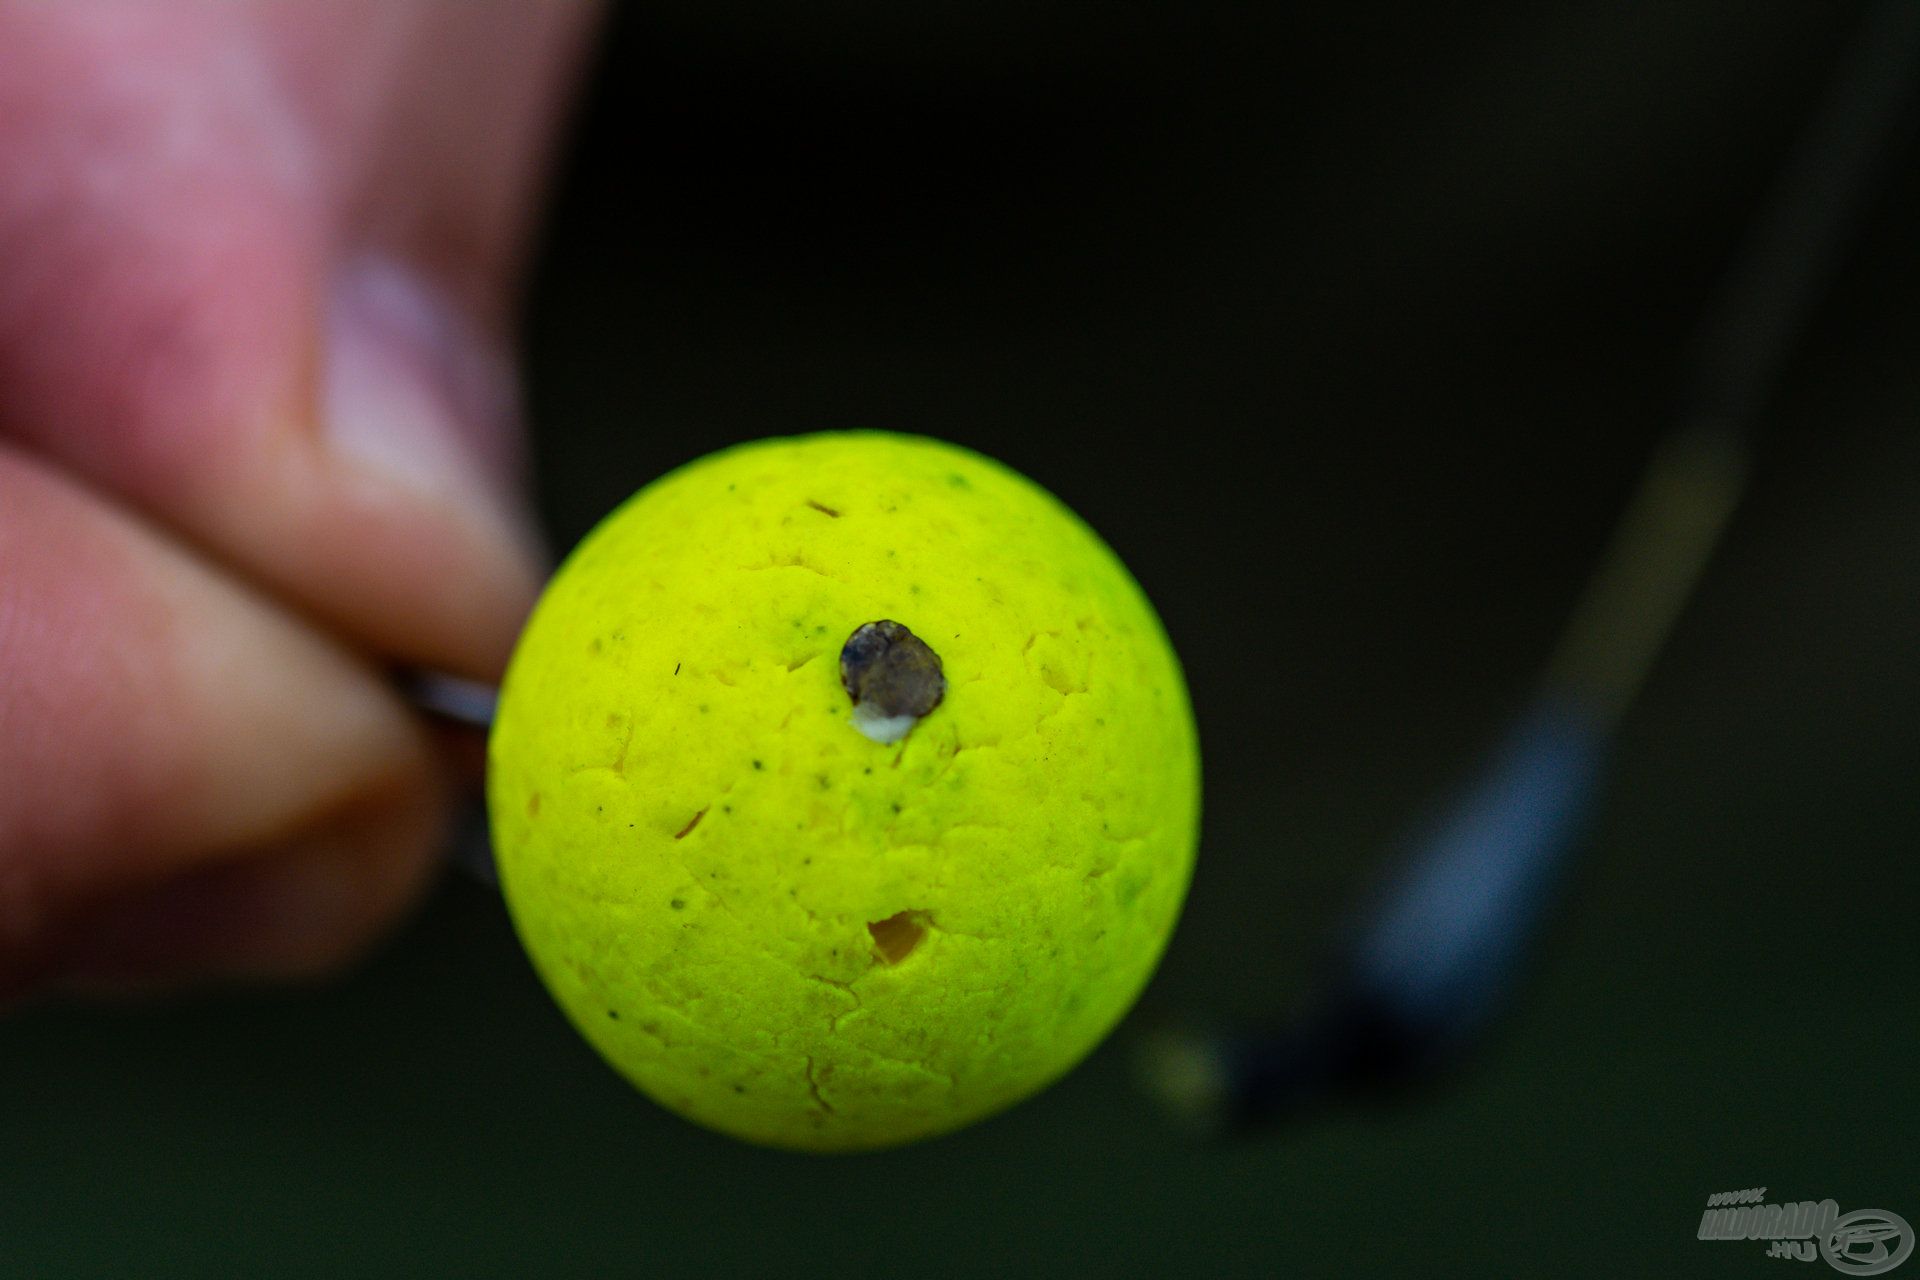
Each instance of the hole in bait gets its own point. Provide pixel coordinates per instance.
(896, 937)
(893, 678)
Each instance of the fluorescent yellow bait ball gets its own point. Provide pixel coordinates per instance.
(773, 923)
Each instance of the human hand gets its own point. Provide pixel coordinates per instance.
(258, 445)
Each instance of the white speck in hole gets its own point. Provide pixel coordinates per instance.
(882, 728)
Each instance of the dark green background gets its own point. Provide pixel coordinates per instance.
(1349, 330)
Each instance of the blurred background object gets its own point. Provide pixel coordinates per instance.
(1433, 955)
(1350, 330)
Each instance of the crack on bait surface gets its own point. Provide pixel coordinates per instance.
(813, 1087)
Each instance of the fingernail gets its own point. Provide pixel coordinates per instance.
(417, 391)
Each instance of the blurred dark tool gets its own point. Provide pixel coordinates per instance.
(1425, 966)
